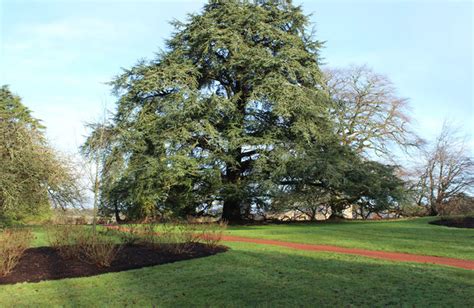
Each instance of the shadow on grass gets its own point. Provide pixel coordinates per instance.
(249, 275)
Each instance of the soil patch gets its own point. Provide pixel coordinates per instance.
(461, 222)
(44, 263)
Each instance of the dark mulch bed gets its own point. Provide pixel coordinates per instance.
(44, 263)
(461, 222)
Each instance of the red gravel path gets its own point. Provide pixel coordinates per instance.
(385, 255)
(392, 256)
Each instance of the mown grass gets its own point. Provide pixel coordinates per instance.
(261, 275)
(411, 236)
(252, 275)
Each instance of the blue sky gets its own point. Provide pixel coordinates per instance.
(58, 55)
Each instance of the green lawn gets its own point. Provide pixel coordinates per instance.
(253, 275)
(411, 235)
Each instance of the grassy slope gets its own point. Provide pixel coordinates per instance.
(412, 236)
(258, 275)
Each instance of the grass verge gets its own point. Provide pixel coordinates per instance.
(252, 275)
(411, 236)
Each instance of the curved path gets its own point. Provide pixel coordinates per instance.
(384, 255)
(392, 256)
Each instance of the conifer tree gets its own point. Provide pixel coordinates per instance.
(208, 120)
(222, 116)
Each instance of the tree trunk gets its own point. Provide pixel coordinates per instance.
(336, 212)
(117, 214)
(231, 211)
(433, 210)
(232, 201)
(96, 198)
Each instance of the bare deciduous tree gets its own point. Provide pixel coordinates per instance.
(94, 150)
(447, 170)
(460, 204)
(369, 115)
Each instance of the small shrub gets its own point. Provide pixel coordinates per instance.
(460, 204)
(413, 210)
(189, 232)
(98, 249)
(80, 220)
(65, 238)
(211, 234)
(13, 244)
(149, 234)
(177, 237)
(77, 242)
(173, 236)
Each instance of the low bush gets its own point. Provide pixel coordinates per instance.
(459, 205)
(174, 236)
(81, 243)
(65, 239)
(179, 236)
(13, 244)
(149, 235)
(211, 234)
(80, 220)
(413, 210)
(98, 249)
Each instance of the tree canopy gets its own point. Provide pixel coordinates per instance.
(214, 119)
(331, 177)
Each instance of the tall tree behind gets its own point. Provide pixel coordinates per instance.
(210, 119)
(370, 117)
(447, 170)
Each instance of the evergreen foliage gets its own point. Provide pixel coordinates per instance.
(215, 118)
